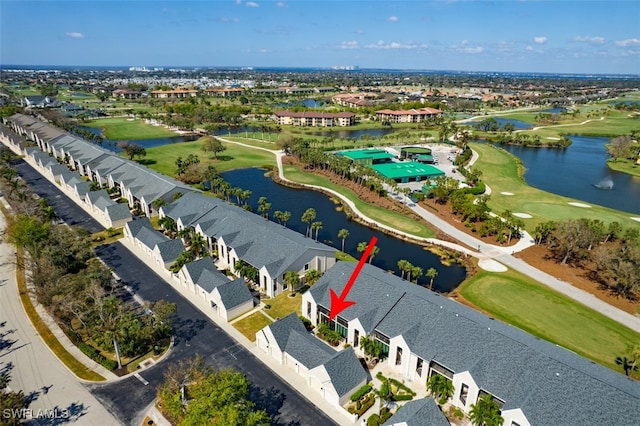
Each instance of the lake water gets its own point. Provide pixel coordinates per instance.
(298, 200)
(517, 124)
(112, 144)
(577, 172)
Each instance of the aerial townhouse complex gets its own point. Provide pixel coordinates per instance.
(423, 333)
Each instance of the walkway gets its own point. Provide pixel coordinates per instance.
(490, 255)
(57, 396)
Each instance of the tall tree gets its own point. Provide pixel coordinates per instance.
(317, 226)
(308, 217)
(404, 266)
(432, 273)
(343, 234)
(312, 276)
(292, 280)
(132, 149)
(362, 246)
(212, 144)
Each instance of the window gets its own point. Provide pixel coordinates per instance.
(515, 424)
(309, 309)
(419, 366)
(399, 356)
(356, 338)
(306, 266)
(464, 391)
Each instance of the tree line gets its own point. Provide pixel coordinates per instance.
(71, 283)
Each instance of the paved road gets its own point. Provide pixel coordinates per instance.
(195, 334)
(66, 209)
(54, 391)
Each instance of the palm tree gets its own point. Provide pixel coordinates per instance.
(198, 245)
(440, 387)
(308, 216)
(291, 279)
(286, 215)
(264, 207)
(404, 266)
(362, 246)
(432, 273)
(185, 234)
(628, 365)
(486, 412)
(343, 234)
(317, 226)
(416, 271)
(312, 276)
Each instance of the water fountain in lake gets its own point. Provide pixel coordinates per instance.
(606, 183)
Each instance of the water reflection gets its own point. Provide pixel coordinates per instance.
(297, 201)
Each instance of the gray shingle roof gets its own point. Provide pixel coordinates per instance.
(169, 249)
(345, 371)
(118, 211)
(196, 267)
(421, 412)
(234, 293)
(143, 230)
(249, 234)
(550, 384)
(211, 278)
(283, 327)
(96, 195)
(307, 349)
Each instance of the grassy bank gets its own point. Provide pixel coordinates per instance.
(163, 158)
(126, 129)
(500, 172)
(549, 315)
(389, 218)
(625, 166)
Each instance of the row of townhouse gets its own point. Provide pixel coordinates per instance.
(142, 187)
(228, 298)
(534, 382)
(407, 116)
(236, 234)
(314, 119)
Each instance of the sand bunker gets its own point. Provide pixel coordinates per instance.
(507, 193)
(523, 215)
(586, 206)
(491, 265)
(637, 219)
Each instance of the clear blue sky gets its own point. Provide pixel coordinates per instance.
(505, 35)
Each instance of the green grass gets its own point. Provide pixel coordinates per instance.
(123, 129)
(282, 305)
(625, 166)
(549, 315)
(345, 257)
(250, 325)
(500, 172)
(389, 218)
(163, 158)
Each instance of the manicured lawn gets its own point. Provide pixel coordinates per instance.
(283, 305)
(125, 129)
(500, 172)
(625, 166)
(250, 325)
(390, 218)
(234, 157)
(549, 315)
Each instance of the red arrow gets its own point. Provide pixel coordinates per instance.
(338, 304)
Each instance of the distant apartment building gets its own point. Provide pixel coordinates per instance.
(315, 119)
(407, 116)
(174, 94)
(126, 94)
(225, 92)
(354, 100)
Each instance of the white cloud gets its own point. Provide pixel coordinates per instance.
(352, 44)
(252, 4)
(392, 18)
(628, 42)
(528, 48)
(381, 44)
(226, 20)
(540, 40)
(281, 4)
(473, 50)
(75, 35)
(589, 39)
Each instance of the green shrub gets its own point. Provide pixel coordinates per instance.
(88, 350)
(373, 420)
(361, 392)
(367, 403)
(402, 397)
(402, 386)
(385, 414)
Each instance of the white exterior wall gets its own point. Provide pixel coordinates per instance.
(353, 326)
(403, 367)
(472, 395)
(296, 366)
(320, 381)
(307, 297)
(514, 416)
(267, 343)
(412, 375)
(238, 310)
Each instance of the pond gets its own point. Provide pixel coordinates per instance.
(112, 144)
(309, 103)
(580, 172)
(517, 124)
(298, 200)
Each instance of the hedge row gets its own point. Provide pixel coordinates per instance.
(361, 392)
